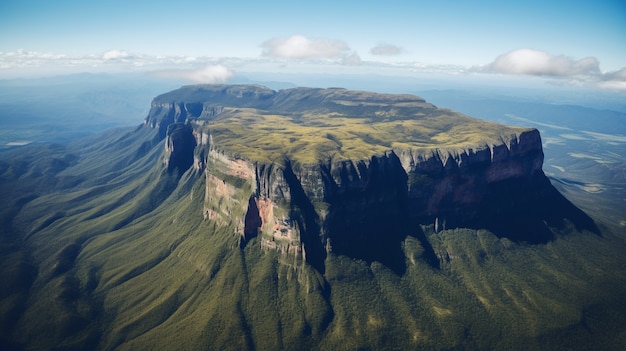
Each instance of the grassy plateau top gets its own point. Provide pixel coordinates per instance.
(308, 125)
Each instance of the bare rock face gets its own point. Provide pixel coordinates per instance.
(179, 147)
(369, 209)
(455, 183)
(388, 166)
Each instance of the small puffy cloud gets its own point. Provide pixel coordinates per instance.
(386, 50)
(115, 55)
(211, 74)
(301, 47)
(208, 74)
(541, 63)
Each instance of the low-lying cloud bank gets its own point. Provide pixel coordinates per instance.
(326, 55)
(23, 61)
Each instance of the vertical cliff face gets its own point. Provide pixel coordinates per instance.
(368, 209)
(179, 147)
(498, 187)
(454, 183)
(163, 114)
(363, 208)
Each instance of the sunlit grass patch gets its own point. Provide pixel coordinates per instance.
(270, 137)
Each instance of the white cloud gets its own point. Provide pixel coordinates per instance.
(211, 74)
(208, 74)
(115, 55)
(301, 47)
(351, 60)
(22, 58)
(319, 55)
(616, 75)
(614, 80)
(541, 63)
(585, 71)
(22, 63)
(386, 50)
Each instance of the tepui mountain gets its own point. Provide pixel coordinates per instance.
(355, 172)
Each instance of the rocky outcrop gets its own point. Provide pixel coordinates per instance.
(363, 208)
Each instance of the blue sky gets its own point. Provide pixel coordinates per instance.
(574, 40)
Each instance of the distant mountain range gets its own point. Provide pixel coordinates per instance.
(239, 217)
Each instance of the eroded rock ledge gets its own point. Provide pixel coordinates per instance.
(313, 171)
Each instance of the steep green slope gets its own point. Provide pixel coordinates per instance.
(105, 248)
